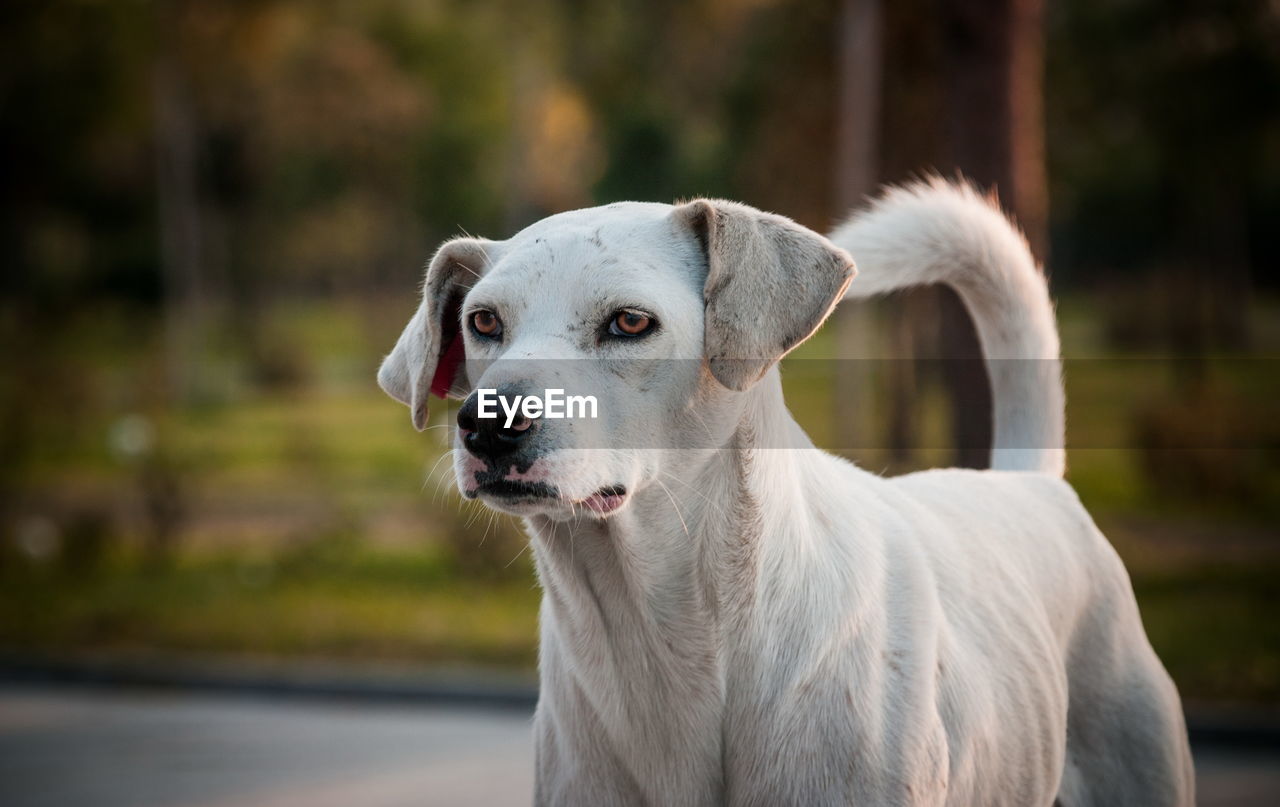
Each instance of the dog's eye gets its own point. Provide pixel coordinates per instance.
(486, 323)
(630, 323)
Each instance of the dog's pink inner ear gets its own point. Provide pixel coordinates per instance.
(452, 347)
(447, 366)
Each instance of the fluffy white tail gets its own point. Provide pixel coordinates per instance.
(938, 232)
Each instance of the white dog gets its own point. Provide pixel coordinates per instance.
(732, 616)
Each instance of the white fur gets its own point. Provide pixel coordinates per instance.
(766, 624)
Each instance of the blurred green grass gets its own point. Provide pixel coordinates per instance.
(331, 601)
(1215, 628)
(317, 523)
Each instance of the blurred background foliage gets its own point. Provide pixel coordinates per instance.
(215, 214)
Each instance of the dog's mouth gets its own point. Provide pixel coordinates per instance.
(516, 490)
(519, 494)
(605, 500)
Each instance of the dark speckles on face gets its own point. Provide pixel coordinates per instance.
(545, 244)
(496, 471)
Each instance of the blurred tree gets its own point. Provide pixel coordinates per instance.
(993, 74)
(784, 125)
(77, 200)
(857, 163)
(661, 78)
(993, 68)
(1164, 141)
(177, 142)
(285, 148)
(912, 138)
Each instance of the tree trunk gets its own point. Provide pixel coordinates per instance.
(993, 54)
(857, 170)
(858, 107)
(178, 202)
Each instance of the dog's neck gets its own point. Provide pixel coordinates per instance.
(684, 535)
(639, 607)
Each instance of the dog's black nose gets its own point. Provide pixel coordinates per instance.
(490, 437)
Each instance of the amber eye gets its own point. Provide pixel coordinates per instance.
(630, 323)
(486, 323)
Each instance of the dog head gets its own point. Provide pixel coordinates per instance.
(664, 316)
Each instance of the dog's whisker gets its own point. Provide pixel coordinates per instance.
(523, 549)
(479, 511)
(679, 515)
(436, 464)
(719, 510)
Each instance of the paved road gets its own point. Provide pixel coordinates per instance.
(68, 748)
(63, 747)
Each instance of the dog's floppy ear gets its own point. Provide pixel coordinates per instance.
(428, 357)
(770, 284)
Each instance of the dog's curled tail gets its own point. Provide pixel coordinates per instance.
(939, 232)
